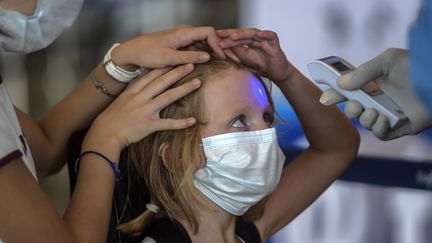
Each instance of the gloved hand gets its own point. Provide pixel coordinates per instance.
(390, 71)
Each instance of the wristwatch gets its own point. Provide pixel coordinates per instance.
(116, 72)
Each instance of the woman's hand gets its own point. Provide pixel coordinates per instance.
(161, 49)
(129, 118)
(135, 113)
(258, 50)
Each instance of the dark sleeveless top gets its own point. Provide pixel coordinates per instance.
(165, 230)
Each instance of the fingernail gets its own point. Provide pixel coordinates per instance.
(189, 66)
(190, 121)
(204, 57)
(196, 83)
(324, 100)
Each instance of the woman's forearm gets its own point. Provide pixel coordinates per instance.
(89, 210)
(333, 145)
(48, 138)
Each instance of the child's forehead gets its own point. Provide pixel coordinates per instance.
(233, 77)
(236, 84)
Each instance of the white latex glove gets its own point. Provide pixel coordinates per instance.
(390, 71)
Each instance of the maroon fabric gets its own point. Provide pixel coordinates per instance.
(9, 157)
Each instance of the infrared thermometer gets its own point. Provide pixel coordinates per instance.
(327, 70)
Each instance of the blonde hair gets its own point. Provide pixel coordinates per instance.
(171, 185)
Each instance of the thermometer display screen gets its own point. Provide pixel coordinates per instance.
(340, 66)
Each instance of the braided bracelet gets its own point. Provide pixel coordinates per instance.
(99, 86)
(113, 165)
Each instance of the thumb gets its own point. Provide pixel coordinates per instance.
(330, 97)
(363, 74)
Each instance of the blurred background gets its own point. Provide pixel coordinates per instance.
(384, 197)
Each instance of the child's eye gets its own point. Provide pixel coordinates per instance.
(268, 118)
(239, 122)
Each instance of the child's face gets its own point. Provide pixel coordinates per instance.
(234, 101)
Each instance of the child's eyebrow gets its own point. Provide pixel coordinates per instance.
(235, 111)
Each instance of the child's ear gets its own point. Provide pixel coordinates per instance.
(164, 155)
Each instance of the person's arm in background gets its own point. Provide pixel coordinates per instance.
(131, 117)
(404, 76)
(27, 215)
(48, 138)
(420, 39)
(333, 139)
(26, 7)
(26, 212)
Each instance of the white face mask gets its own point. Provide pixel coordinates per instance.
(21, 33)
(242, 168)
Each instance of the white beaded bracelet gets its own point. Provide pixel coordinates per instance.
(116, 72)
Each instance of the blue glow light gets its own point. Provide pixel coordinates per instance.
(258, 92)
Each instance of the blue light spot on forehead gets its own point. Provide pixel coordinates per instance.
(259, 92)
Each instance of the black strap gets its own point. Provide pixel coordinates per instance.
(247, 231)
(165, 230)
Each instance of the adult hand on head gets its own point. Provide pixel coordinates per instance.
(390, 71)
(135, 113)
(161, 49)
(258, 50)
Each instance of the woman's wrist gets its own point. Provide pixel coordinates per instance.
(114, 67)
(100, 152)
(292, 76)
(120, 57)
(284, 75)
(105, 84)
(105, 144)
